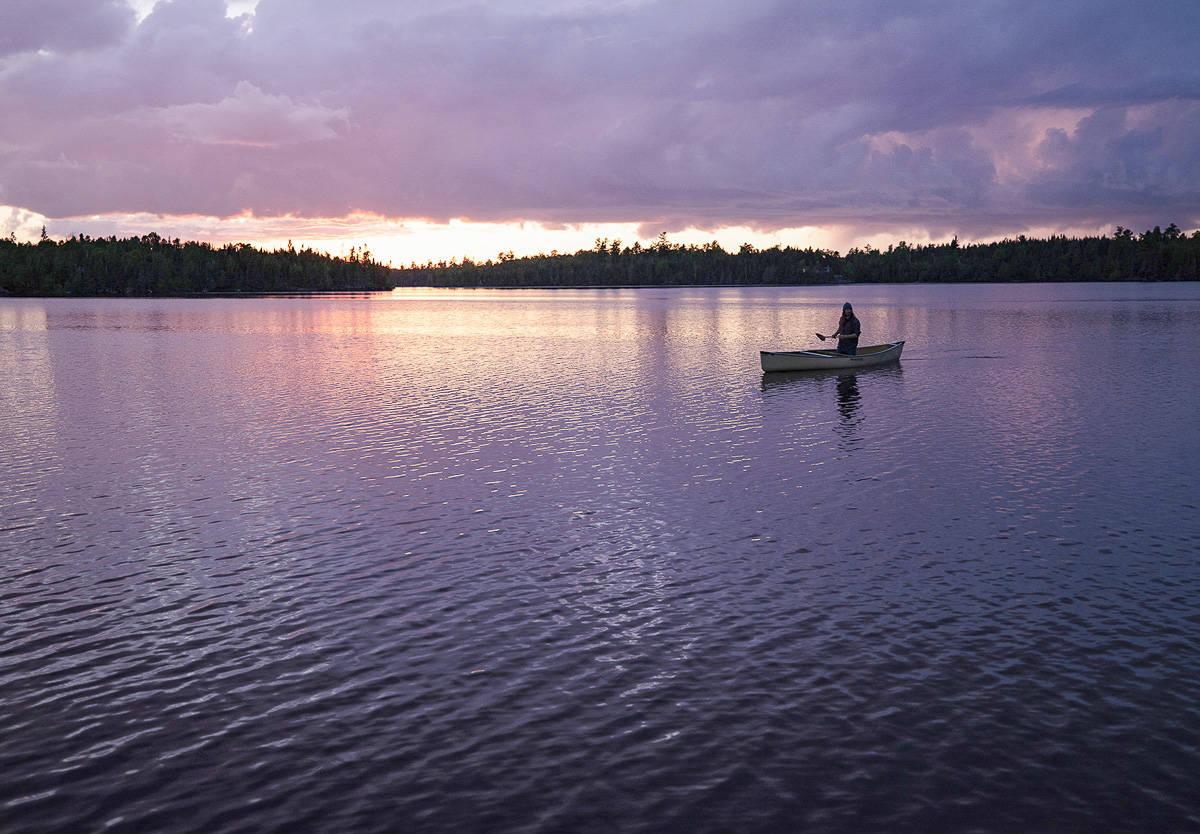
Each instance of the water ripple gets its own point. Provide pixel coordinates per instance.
(369, 564)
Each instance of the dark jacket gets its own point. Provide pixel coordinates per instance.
(848, 335)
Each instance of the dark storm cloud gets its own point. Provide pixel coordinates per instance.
(991, 115)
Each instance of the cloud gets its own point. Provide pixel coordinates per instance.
(249, 117)
(764, 114)
(20, 223)
(1136, 159)
(62, 25)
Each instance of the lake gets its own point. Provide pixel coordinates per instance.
(566, 560)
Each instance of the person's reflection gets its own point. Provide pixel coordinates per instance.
(848, 400)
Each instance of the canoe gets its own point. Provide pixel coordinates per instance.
(826, 359)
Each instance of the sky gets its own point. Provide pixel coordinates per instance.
(439, 129)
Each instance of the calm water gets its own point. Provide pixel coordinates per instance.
(568, 561)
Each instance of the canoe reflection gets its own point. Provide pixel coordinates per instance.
(796, 381)
(803, 396)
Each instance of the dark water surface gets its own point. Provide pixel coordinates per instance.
(568, 561)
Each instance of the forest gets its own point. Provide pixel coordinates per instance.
(152, 265)
(1156, 255)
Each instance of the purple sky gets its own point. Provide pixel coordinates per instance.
(918, 119)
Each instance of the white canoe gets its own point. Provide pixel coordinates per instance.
(824, 360)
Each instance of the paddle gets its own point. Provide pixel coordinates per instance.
(819, 336)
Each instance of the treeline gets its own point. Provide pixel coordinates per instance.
(152, 265)
(1156, 255)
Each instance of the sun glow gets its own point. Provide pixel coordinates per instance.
(233, 8)
(404, 242)
(400, 242)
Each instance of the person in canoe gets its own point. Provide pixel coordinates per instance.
(848, 331)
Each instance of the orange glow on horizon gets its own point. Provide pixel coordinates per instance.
(401, 242)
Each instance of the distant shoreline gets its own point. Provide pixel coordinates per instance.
(154, 267)
(1156, 255)
(752, 286)
(302, 294)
